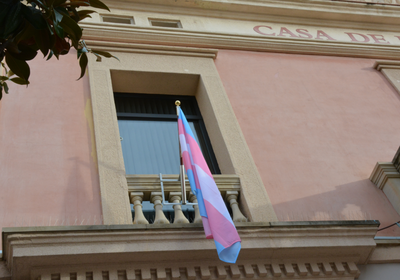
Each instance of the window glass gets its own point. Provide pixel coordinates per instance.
(151, 146)
(149, 133)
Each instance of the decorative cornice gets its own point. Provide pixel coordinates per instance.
(382, 172)
(206, 271)
(349, 12)
(306, 250)
(317, 13)
(121, 37)
(386, 64)
(152, 49)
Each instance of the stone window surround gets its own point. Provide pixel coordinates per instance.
(177, 71)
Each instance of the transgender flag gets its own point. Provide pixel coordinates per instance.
(217, 222)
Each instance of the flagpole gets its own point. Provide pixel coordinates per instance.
(182, 167)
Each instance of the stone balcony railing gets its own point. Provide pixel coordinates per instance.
(146, 189)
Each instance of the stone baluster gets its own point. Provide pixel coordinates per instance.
(231, 197)
(197, 217)
(175, 197)
(136, 200)
(156, 198)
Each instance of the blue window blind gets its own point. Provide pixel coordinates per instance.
(149, 132)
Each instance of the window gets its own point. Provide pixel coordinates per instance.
(149, 132)
(118, 19)
(165, 23)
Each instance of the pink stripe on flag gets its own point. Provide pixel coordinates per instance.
(197, 155)
(222, 230)
(211, 193)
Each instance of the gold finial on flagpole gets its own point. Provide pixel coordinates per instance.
(177, 103)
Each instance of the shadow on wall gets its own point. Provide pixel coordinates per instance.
(79, 199)
(77, 205)
(360, 200)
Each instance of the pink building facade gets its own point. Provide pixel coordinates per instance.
(300, 103)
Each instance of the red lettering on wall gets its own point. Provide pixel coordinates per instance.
(321, 34)
(379, 39)
(285, 31)
(303, 32)
(257, 29)
(354, 39)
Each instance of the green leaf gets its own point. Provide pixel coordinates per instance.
(98, 57)
(27, 52)
(103, 53)
(57, 3)
(25, 34)
(19, 67)
(50, 29)
(1, 91)
(19, 81)
(84, 14)
(59, 30)
(5, 8)
(50, 55)
(39, 3)
(73, 13)
(34, 17)
(98, 4)
(5, 87)
(3, 78)
(57, 16)
(13, 19)
(61, 47)
(42, 39)
(13, 47)
(10, 73)
(83, 61)
(72, 29)
(80, 51)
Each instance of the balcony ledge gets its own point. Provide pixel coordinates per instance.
(306, 248)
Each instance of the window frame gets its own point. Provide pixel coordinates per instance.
(168, 70)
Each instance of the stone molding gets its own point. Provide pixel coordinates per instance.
(382, 172)
(391, 71)
(386, 251)
(379, 2)
(386, 177)
(386, 64)
(153, 49)
(252, 270)
(311, 11)
(303, 250)
(99, 34)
